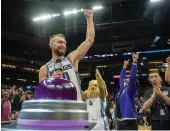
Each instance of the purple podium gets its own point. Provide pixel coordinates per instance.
(55, 89)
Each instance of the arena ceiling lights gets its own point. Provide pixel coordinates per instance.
(97, 7)
(65, 13)
(75, 11)
(155, 0)
(46, 17)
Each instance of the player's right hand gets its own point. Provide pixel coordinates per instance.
(57, 74)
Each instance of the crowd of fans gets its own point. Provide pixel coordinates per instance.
(12, 98)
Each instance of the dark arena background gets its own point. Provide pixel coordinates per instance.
(122, 27)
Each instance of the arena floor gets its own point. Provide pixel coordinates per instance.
(144, 128)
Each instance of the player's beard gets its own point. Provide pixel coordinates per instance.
(58, 52)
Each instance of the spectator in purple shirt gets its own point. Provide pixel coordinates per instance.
(125, 111)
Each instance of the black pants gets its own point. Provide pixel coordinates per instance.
(160, 125)
(126, 125)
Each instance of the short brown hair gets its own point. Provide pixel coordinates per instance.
(51, 37)
(61, 35)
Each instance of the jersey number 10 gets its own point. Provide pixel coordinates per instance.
(66, 76)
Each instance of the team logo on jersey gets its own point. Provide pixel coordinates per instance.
(67, 67)
(90, 103)
(58, 66)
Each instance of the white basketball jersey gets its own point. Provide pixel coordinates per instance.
(94, 108)
(68, 73)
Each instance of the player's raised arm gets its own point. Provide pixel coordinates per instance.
(81, 51)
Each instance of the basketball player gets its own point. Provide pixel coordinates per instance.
(69, 64)
(125, 111)
(167, 73)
